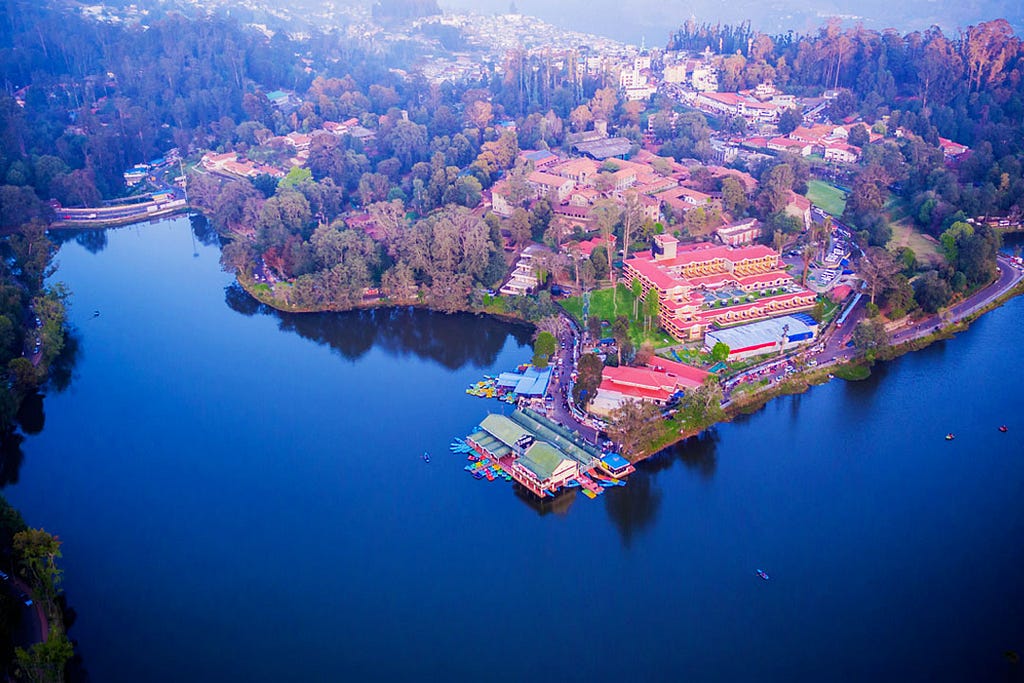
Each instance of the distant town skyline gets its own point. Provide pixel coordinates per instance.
(651, 21)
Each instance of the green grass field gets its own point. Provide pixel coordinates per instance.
(926, 248)
(831, 200)
(606, 307)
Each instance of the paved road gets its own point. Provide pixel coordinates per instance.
(561, 383)
(1010, 274)
(35, 628)
(835, 349)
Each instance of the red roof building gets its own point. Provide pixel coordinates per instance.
(656, 383)
(699, 285)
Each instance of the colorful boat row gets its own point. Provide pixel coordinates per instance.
(488, 388)
(482, 468)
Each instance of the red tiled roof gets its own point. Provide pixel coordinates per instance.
(841, 292)
(773, 276)
(799, 201)
(635, 392)
(651, 271)
(541, 178)
(686, 375)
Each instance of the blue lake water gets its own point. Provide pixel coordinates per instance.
(241, 496)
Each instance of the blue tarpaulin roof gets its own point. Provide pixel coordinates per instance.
(805, 318)
(509, 379)
(614, 461)
(533, 382)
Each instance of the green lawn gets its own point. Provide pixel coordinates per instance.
(831, 199)
(606, 307)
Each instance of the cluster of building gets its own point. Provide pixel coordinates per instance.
(236, 165)
(523, 278)
(574, 185)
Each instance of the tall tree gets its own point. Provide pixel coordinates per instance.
(877, 267)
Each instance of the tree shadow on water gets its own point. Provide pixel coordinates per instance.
(11, 456)
(239, 301)
(203, 231)
(451, 340)
(699, 454)
(62, 369)
(633, 507)
(31, 417)
(94, 241)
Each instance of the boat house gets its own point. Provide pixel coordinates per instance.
(539, 454)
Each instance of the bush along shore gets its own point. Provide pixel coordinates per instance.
(37, 353)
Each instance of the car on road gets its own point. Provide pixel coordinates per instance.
(4, 576)
(24, 598)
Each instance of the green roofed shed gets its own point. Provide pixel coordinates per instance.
(542, 459)
(504, 429)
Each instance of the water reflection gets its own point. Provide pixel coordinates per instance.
(62, 369)
(863, 392)
(558, 505)
(11, 456)
(699, 453)
(239, 301)
(94, 241)
(31, 417)
(203, 231)
(634, 507)
(453, 341)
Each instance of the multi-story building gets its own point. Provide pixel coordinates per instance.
(701, 285)
(554, 188)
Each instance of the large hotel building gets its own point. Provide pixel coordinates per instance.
(700, 285)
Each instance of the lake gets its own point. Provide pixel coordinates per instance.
(241, 496)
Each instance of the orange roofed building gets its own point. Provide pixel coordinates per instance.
(700, 285)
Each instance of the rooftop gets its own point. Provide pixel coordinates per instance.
(762, 332)
(606, 148)
(542, 459)
(503, 429)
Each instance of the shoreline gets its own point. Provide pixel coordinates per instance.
(751, 402)
(803, 381)
(247, 283)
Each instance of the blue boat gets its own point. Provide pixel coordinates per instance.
(763, 574)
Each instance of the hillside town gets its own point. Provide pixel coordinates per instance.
(682, 180)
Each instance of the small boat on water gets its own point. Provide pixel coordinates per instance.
(950, 436)
(762, 573)
(1003, 428)
(426, 456)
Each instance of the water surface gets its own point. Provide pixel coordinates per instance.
(241, 497)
